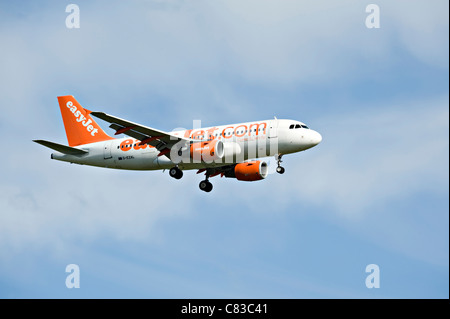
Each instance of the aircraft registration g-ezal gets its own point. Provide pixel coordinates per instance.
(226, 150)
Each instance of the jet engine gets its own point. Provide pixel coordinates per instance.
(208, 151)
(249, 171)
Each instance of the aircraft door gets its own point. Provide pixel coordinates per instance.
(107, 150)
(273, 129)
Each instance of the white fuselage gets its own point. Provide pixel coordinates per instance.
(241, 141)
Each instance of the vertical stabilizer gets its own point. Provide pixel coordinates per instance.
(80, 127)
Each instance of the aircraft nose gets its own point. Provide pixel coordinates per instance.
(316, 138)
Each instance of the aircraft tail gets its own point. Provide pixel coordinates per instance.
(80, 126)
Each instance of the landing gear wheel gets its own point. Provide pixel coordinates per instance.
(176, 173)
(206, 186)
(280, 170)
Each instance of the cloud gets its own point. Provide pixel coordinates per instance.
(368, 157)
(369, 162)
(205, 50)
(70, 203)
(422, 29)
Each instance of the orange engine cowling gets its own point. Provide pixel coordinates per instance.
(207, 151)
(251, 171)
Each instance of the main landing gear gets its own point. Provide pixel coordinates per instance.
(176, 173)
(280, 169)
(206, 185)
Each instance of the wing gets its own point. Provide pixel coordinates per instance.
(162, 141)
(219, 170)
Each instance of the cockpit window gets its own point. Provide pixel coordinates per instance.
(292, 126)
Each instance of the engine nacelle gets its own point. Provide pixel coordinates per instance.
(249, 171)
(208, 151)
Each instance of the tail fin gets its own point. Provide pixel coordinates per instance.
(79, 125)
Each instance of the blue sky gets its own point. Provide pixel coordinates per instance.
(375, 191)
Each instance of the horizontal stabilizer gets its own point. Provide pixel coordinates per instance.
(61, 148)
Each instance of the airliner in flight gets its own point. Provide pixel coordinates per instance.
(226, 150)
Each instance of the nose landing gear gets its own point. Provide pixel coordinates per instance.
(280, 169)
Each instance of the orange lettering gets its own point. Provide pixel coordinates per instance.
(210, 133)
(257, 127)
(126, 145)
(187, 133)
(139, 146)
(198, 134)
(243, 131)
(223, 132)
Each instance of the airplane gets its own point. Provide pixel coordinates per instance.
(226, 150)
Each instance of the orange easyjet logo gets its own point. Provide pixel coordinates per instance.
(211, 134)
(81, 118)
(228, 132)
(128, 144)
